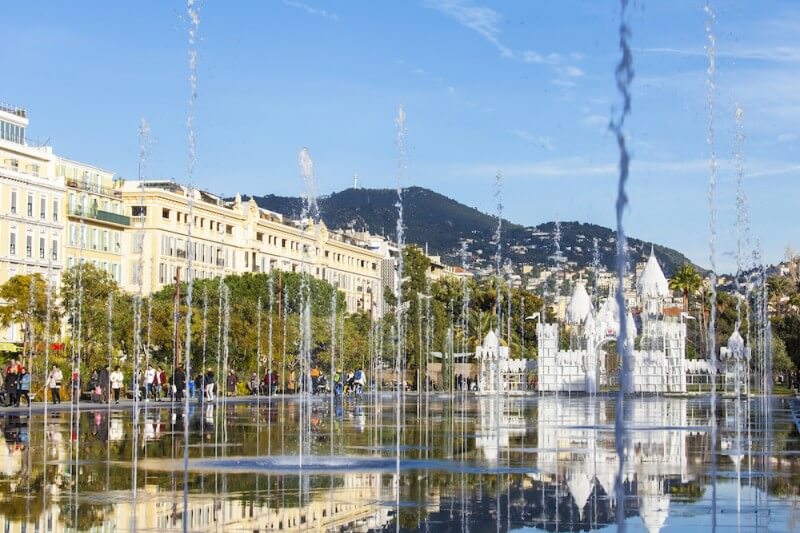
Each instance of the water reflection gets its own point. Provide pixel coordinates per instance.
(490, 464)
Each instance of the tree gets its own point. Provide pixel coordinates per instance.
(688, 281)
(26, 304)
(85, 292)
(780, 359)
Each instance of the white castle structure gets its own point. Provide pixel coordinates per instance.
(497, 372)
(658, 364)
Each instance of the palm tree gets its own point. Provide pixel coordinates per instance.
(688, 281)
(779, 287)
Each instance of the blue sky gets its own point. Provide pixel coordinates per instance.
(525, 88)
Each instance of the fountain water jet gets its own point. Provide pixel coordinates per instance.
(624, 77)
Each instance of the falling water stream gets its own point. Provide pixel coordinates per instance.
(624, 77)
(712, 246)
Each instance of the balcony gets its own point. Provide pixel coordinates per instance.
(99, 214)
(83, 185)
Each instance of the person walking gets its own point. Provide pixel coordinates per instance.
(231, 382)
(24, 387)
(314, 379)
(199, 387)
(12, 387)
(209, 385)
(116, 382)
(104, 377)
(149, 383)
(54, 380)
(179, 381)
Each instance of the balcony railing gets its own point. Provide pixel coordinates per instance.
(99, 214)
(89, 187)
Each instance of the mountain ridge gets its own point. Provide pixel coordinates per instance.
(442, 223)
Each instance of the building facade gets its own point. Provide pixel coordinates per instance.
(236, 236)
(96, 230)
(31, 206)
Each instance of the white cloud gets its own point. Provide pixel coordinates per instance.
(594, 120)
(451, 89)
(482, 20)
(543, 141)
(311, 10)
(780, 54)
(485, 21)
(570, 71)
(787, 137)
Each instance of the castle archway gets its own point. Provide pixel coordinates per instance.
(608, 363)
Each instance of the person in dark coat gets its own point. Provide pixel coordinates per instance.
(104, 381)
(12, 387)
(179, 380)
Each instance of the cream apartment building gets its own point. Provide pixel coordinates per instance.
(31, 206)
(236, 236)
(96, 230)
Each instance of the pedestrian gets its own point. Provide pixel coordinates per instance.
(12, 387)
(160, 381)
(231, 382)
(314, 379)
(116, 379)
(24, 387)
(104, 377)
(149, 383)
(179, 381)
(54, 380)
(253, 384)
(199, 387)
(209, 385)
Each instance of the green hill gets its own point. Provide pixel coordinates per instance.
(443, 223)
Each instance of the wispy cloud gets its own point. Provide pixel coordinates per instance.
(579, 167)
(311, 10)
(543, 141)
(485, 21)
(482, 20)
(778, 54)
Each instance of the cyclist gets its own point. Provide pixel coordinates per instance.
(360, 381)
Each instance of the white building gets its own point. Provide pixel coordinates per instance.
(657, 366)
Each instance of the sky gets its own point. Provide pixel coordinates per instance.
(518, 87)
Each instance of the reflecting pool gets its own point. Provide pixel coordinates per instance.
(467, 464)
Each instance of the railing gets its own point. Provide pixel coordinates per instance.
(99, 214)
(89, 187)
(14, 110)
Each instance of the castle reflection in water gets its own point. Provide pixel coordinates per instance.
(544, 463)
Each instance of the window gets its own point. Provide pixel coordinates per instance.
(43, 207)
(54, 250)
(13, 202)
(165, 213)
(30, 204)
(139, 210)
(229, 229)
(41, 247)
(94, 238)
(29, 246)
(12, 244)
(260, 237)
(55, 210)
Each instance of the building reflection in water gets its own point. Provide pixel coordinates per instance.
(548, 463)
